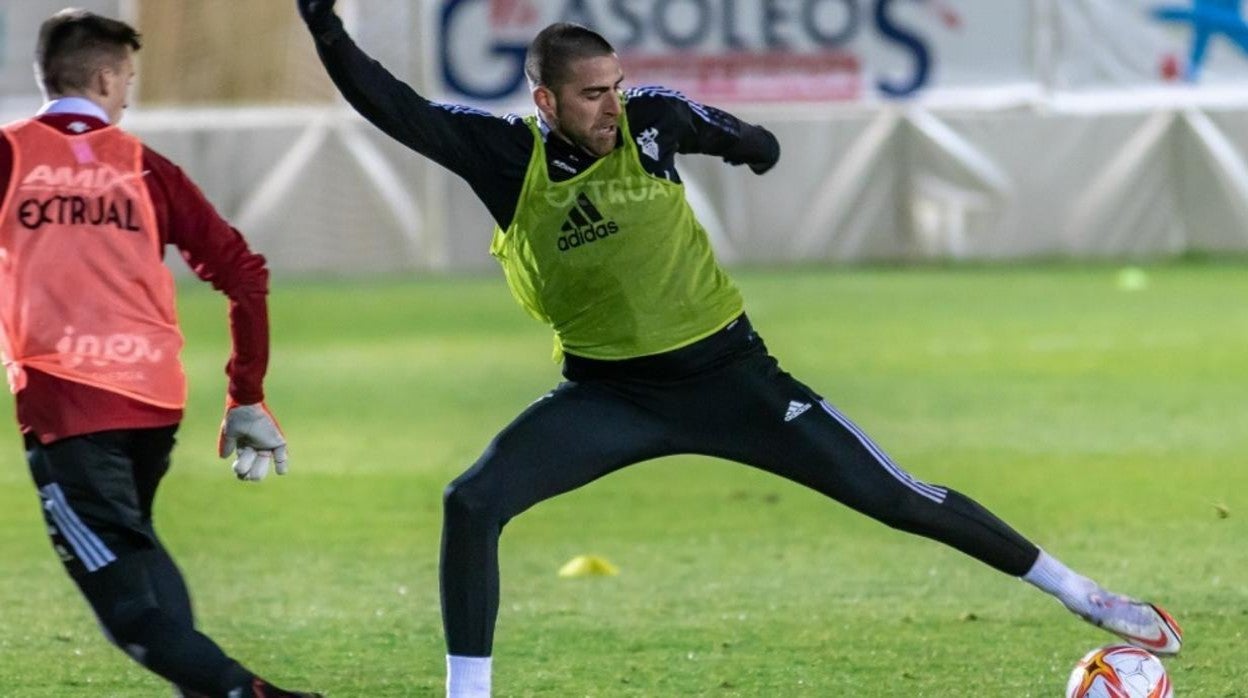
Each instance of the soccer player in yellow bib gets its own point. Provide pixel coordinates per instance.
(597, 239)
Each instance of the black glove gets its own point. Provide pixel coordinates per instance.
(315, 11)
(763, 151)
(755, 167)
(759, 168)
(320, 18)
(772, 157)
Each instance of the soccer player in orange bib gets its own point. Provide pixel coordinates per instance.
(91, 344)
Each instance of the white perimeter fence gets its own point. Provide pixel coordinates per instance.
(1056, 149)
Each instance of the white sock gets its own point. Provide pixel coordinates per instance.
(1070, 587)
(467, 677)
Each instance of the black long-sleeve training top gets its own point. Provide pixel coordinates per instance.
(492, 152)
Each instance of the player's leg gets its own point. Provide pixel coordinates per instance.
(150, 463)
(780, 425)
(570, 437)
(150, 459)
(88, 492)
(92, 507)
(754, 413)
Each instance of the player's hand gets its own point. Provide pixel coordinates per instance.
(759, 168)
(252, 430)
(315, 10)
(755, 167)
(766, 156)
(319, 16)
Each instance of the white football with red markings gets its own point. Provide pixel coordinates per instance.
(1119, 671)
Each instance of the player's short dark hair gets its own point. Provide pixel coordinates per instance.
(74, 44)
(556, 47)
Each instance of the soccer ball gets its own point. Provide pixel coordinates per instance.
(1119, 671)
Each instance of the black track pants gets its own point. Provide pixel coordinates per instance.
(742, 408)
(97, 492)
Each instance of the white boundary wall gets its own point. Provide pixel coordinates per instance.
(322, 190)
(1065, 164)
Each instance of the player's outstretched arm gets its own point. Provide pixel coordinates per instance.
(706, 130)
(456, 138)
(387, 102)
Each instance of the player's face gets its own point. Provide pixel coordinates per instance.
(114, 87)
(587, 106)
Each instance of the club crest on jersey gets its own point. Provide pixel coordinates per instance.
(584, 224)
(648, 142)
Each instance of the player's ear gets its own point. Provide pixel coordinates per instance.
(101, 81)
(544, 98)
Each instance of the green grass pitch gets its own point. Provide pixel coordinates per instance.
(1108, 424)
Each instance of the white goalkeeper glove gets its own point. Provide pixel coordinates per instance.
(252, 430)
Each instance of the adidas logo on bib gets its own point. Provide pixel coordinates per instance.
(585, 224)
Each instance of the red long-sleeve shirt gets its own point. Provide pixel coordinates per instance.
(52, 408)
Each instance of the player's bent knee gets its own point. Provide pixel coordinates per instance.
(127, 623)
(121, 597)
(467, 499)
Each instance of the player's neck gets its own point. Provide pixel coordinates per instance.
(568, 142)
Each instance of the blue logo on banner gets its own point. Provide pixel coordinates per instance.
(636, 21)
(1207, 18)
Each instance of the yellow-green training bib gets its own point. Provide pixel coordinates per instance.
(613, 259)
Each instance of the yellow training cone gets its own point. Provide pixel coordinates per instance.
(588, 566)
